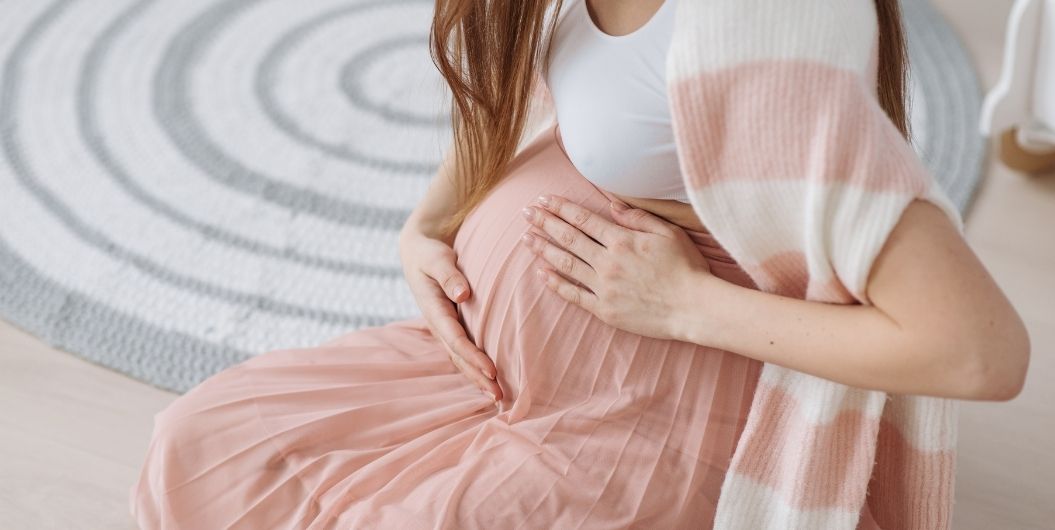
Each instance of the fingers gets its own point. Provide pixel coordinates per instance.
(638, 219)
(485, 384)
(445, 272)
(561, 260)
(567, 290)
(444, 319)
(469, 360)
(564, 234)
(488, 386)
(437, 286)
(591, 224)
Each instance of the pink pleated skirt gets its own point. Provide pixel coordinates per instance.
(598, 428)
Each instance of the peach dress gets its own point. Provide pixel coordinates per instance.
(599, 427)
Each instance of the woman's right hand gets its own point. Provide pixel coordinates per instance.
(429, 265)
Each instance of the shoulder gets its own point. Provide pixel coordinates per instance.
(715, 34)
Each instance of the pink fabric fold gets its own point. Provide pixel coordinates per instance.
(599, 428)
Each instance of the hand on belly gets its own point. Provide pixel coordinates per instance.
(629, 269)
(512, 316)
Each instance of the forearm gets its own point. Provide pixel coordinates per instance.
(439, 203)
(856, 345)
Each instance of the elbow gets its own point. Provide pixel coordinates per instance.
(995, 370)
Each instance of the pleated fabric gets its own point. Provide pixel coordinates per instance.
(598, 428)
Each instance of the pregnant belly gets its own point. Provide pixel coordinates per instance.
(555, 356)
(648, 421)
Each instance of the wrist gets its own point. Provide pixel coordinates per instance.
(414, 228)
(698, 315)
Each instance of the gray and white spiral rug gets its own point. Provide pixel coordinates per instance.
(186, 183)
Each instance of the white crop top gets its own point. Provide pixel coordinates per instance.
(610, 98)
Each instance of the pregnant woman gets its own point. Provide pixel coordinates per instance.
(689, 271)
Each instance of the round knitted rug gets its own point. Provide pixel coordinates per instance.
(186, 183)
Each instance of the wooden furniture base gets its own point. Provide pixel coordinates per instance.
(1027, 161)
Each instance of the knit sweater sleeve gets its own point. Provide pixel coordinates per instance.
(794, 167)
(789, 157)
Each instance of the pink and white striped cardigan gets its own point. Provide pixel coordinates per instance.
(792, 164)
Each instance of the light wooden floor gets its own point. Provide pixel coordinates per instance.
(72, 434)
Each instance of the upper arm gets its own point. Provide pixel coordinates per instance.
(928, 280)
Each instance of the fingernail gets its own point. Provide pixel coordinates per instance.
(458, 291)
(543, 200)
(541, 274)
(529, 213)
(619, 207)
(487, 375)
(492, 396)
(528, 238)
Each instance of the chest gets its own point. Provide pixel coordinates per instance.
(610, 97)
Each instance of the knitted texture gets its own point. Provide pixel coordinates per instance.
(794, 167)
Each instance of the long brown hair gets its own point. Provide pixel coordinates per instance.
(490, 53)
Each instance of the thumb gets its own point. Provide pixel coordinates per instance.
(637, 219)
(451, 280)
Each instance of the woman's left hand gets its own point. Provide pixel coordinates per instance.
(632, 274)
